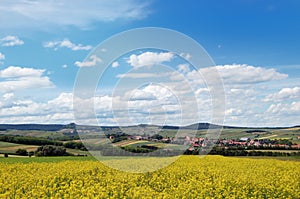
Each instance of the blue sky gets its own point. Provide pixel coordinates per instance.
(254, 44)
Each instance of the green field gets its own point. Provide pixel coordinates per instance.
(94, 136)
(11, 148)
(12, 160)
(7, 144)
(291, 133)
(6, 147)
(43, 159)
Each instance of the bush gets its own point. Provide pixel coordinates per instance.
(51, 150)
(28, 140)
(22, 152)
(30, 153)
(75, 145)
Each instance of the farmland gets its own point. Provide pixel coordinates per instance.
(187, 177)
(211, 176)
(149, 138)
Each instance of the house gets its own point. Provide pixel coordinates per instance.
(296, 146)
(244, 139)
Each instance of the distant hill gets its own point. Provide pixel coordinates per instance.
(57, 127)
(201, 126)
(197, 126)
(38, 127)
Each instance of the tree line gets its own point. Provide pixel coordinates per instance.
(27, 140)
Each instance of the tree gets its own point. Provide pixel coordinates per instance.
(51, 150)
(22, 152)
(157, 136)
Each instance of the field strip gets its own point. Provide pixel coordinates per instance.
(14, 148)
(266, 137)
(130, 142)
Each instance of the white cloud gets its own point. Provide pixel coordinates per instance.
(18, 78)
(150, 92)
(163, 102)
(141, 95)
(201, 91)
(2, 56)
(63, 102)
(11, 41)
(16, 71)
(150, 104)
(48, 13)
(245, 88)
(244, 74)
(186, 56)
(284, 109)
(149, 59)
(284, 94)
(64, 66)
(115, 64)
(142, 75)
(233, 112)
(8, 96)
(183, 68)
(66, 43)
(93, 61)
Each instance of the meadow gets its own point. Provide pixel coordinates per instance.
(187, 177)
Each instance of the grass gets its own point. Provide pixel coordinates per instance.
(281, 151)
(130, 142)
(7, 144)
(25, 160)
(78, 152)
(12, 160)
(7, 147)
(15, 159)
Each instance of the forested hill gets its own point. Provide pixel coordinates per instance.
(38, 127)
(57, 127)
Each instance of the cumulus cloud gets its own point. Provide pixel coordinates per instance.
(8, 96)
(141, 95)
(183, 68)
(79, 13)
(56, 110)
(142, 75)
(249, 74)
(11, 41)
(63, 102)
(93, 60)
(245, 88)
(149, 59)
(150, 92)
(16, 71)
(66, 43)
(285, 109)
(18, 78)
(284, 94)
(244, 74)
(2, 56)
(161, 103)
(115, 64)
(186, 56)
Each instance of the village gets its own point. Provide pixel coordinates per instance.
(241, 143)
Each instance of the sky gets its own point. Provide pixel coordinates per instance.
(253, 47)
